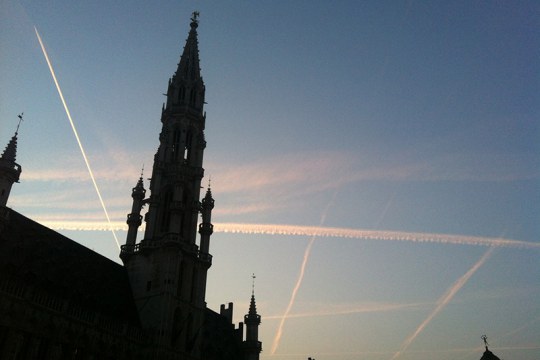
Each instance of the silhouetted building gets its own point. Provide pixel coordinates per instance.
(60, 300)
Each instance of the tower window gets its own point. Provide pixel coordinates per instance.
(193, 97)
(181, 94)
(176, 144)
(187, 148)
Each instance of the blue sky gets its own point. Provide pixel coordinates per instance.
(416, 117)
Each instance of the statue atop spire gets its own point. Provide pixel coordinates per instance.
(195, 19)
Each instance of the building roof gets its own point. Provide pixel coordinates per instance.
(488, 355)
(41, 258)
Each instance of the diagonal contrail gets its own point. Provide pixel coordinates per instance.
(76, 135)
(307, 252)
(444, 300)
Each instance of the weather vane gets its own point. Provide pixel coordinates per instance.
(20, 116)
(484, 337)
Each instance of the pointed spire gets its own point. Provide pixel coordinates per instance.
(10, 171)
(188, 67)
(252, 306)
(139, 189)
(208, 201)
(10, 151)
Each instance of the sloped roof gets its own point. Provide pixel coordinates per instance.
(42, 258)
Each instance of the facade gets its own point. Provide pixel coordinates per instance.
(60, 300)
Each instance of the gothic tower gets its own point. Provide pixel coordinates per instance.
(252, 345)
(168, 268)
(10, 171)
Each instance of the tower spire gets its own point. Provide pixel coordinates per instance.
(252, 345)
(10, 171)
(186, 87)
(134, 219)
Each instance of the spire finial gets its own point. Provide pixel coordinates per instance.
(20, 116)
(253, 284)
(484, 337)
(142, 170)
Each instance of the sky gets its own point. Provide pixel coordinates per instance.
(375, 164)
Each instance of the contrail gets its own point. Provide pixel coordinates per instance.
(317, 231)
(76, 135)
(367, 308)
(365, 234)
(444, 300)
(307, 252)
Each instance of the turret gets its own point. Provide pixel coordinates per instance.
(205, 227)
(10, 171)
(134, 219)
(252, 345)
